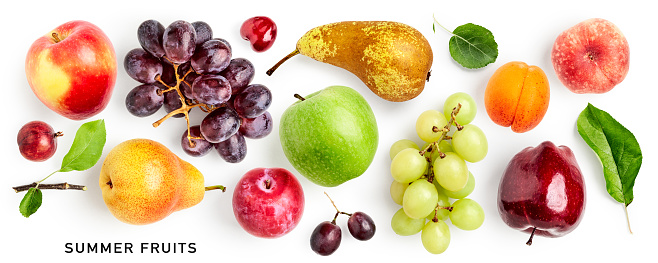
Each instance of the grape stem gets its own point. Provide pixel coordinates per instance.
(186, 105)
(444, 136)
(61, 186)
(338, 212)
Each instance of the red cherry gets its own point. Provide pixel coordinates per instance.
(260, 31)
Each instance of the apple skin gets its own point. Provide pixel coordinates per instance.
(268, 202)
(591, 57)
(542, 189)
(331, 136)
(74, 76)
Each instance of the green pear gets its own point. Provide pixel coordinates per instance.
(329, 136)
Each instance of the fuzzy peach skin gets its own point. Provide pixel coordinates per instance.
(517, 96)
(591, 57)
(72, 69)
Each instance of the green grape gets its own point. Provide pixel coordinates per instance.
(397, 191)
(445, 146)
(466, 112)
(419, 199)
(464, 192)
(401, 145)
(451, 172)
(408, 165)
(435, 237)
(444, 201)
(404, 225)
(426, 123)
(466, 214)
(470, 143)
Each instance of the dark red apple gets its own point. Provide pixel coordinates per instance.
(542, 191)
(268, 202)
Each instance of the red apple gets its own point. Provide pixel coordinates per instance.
(268, 202)
(72, 69)
(591, 57)
(542, 191)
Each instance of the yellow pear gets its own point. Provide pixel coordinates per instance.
(143, 182)
(391, 58)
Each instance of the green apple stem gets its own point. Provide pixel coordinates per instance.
(531, 236)
(215, 187)
(271, 70)
(61, 186)
(299, 97)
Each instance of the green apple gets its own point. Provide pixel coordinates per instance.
(329, 136)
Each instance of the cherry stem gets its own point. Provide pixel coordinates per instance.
(215, 187)
(531, 236)
(271, 70)
(61, 186)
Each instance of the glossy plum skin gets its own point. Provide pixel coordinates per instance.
(37, 141)
(268, 202)
(543, 188)
(260, 31)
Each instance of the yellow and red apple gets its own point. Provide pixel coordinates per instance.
(72, 69)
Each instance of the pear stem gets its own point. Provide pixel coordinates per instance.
(215, 187)
(62, 186)
(531, 236)
(271, 70)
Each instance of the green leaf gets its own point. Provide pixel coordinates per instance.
(473, 46)
(617, 149)
(87, 147)
(31, 202)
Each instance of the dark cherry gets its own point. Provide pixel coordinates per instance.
(260, 31)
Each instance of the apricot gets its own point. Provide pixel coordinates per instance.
(517, 95)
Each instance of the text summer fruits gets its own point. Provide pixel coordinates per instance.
(424, 179)
(183, 67)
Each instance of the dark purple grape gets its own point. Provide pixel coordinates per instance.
(212, 56)
(142, 66)
(220, 124)
(361, 226)
(225, 43)
(326, 238)
(240, 72)
(256, 128)
(211, 89)
(254, 100)
(144, 100)
(149, 35)
(179, 41)
(168, 75)
(203, 32)
(172, 102)
(233, 149)
(37, 141)
(200, 147)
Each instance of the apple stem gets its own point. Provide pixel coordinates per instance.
(62, 186)
(628, 221)
(299, 97)
(271, 70)
(215, 187)
(56, 37)
(531, 236)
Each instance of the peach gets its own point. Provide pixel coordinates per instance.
(517, 96)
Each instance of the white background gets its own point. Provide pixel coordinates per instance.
(524, 31)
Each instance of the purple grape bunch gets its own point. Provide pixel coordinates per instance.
(182, 67)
